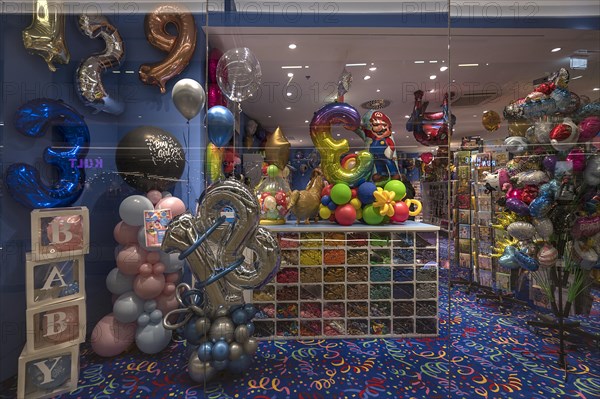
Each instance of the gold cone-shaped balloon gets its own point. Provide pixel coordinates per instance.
(277, 149)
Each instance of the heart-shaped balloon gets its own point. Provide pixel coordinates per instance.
(517, 206)
(586, 257)
(541, 206)
(526, 261)
(549, 164)
(521, 230)
(577, 158)
(589, 128)
(508, 260)
(542, 131)
(426, 157)
(564, 135)
(529, 193)
(547, 255)
(543, 227)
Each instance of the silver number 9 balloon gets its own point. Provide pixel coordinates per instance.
(89, 74)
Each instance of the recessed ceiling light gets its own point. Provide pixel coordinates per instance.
(306, 121)
(306, 66)
(300, 140)
(444, 68)
(288, 108)
(596, 89)
(116, 71)
(338, 134)
(487, 64)
(291, 67)
(407, 136)
(290, 75)
(292, 46)
(554, 50)
(393, 132)
(357, 64)
(140, 116)
(367, 77)
(1, 123)
(468, 65)
(378, 90)
(269, 116)
(433, 61)
(432, 91)
(129, 71)
(474, 116)
(406, 116)
(453, 80)
(289, 94)
(577, 77)
(373, 69)
(432, 77)
(419, 62)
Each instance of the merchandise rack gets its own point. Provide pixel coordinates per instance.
(352, 282)
(435, 204)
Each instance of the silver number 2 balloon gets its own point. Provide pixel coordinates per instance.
(89, 74)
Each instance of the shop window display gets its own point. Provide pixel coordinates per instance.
(233, 182)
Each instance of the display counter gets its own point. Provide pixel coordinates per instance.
(352, 281)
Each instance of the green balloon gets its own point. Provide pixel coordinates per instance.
(398, 187)
(371, 215)
(341, 193)
(272, 171)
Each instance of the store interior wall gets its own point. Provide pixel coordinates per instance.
(25, 77)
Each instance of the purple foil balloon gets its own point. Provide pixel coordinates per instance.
(549, 163)
(517, 206)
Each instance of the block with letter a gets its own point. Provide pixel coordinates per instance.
(48, 373)
(52, 281)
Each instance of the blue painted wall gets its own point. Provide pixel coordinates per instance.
(24, 77)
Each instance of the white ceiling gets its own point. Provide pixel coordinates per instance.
(509, 60)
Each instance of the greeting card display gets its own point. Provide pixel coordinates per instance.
(47, 374)
(59, 233)
(58, 325)
(52, 281)
(155, 225)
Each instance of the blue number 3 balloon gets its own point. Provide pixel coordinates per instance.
(23, 180)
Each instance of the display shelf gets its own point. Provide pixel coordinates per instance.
(435, 203)
(352, 281)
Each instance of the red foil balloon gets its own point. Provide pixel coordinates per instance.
(427, 157)
(429, 128)
(180, 47)
(529, 193)
(589, 128)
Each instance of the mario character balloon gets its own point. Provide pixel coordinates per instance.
(378, 127)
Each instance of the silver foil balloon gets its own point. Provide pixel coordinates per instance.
(241, 333)
(89, 74)
(591, 175)
(534, 178)
(200, 371)
(188, 97)
(544, 227)
(542, 131)
(516, 144)
(521, 230)
(221, 328)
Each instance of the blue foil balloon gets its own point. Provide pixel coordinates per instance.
(540, 206)
(507, 260)
(220, 124)
(526, 262)
(220, 350)
(23, 180)
(205, 351)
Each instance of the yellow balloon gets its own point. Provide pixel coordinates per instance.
(409, 202)
(214, 163)
(490, 121)
(359, 213)
(324, 212)
(355, 202)
(277, 149)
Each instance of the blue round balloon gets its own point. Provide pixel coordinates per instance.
(190, 333)
(332, 206)
(250, 327)
(250, 310)
(365, 193)
(325, 200)
(239, 317)
(219, 124)
(205, 351)
(220, 350)
(240, 365)
(220, 365)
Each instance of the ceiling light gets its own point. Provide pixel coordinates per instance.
(468, 65)
(306, 66)
(292, 46)
(419, 62)
(291, 67)
(288, 108)
(444, 68)
(300, 140)
(554, 50)
(139, 116)
(487, 64)
(289, 94)
(367, 77)
(393, 132)
(407, 136)
(306, 121)
(406, 116)
(129, 71)
(373, 69)
(358, 64)
(474, 116)
(596, 89)
(338, 134)
(290, 75)
(116, 71)
(433, 61)
(432, 91)
(577, 77)
(378, 90)
(269, 116)
(432, 77)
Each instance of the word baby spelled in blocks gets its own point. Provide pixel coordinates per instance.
(49, 373)
(52, 281)
(59, 233)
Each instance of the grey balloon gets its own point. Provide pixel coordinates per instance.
(221, 328)
(251, 346)
(142, 240)
(128, 307)
(200, 371)
(119, 283)
(202, 325)
(171, 261)
(241, 334)
(221, 312)
(235, 351)
(132, 209)
(153, 337)
(188, 97)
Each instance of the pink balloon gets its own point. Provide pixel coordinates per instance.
(149, 287)
(577, 158)
(596, 142)
(586, 226)
(153, 257)
(145, 269)
(176, 205)
(588, 128)
(215, 96)
(213, 60)
(166, 303)
(130, 258)
(125, 234)
(169, 289)
(158, 268)
(173, 277)
(154, 196)
(74, 226)
(111, 337)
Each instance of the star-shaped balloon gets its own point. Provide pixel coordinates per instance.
(277, 149)
(344, 83)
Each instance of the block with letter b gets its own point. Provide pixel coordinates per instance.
(57, 325)
(49, 373)
(51, 281)
(59, 233)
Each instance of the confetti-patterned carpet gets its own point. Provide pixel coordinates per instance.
(482, 352)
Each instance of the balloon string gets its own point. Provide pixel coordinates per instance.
(202, 238)
(186, 141)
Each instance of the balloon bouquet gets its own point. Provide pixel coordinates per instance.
(350, 195)
(552, 208)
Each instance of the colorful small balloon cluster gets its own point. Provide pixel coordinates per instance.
(220, 340)
(143, 283)
(273, 194)
(374, 205)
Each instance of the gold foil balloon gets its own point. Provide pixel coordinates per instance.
(490, 121)
(214, 163)
(45, 36)
(180, 47)
(332, 150)
(277, 149)
(518, 127)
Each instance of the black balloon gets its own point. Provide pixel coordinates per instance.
(150, 158)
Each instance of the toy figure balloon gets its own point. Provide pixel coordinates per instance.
(430, 128)
(378, 127)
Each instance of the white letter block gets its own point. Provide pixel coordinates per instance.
(53, 281)
(58, 233)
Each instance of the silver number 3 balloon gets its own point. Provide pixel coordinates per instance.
(215, 249)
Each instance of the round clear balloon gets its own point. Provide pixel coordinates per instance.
(239, 74)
